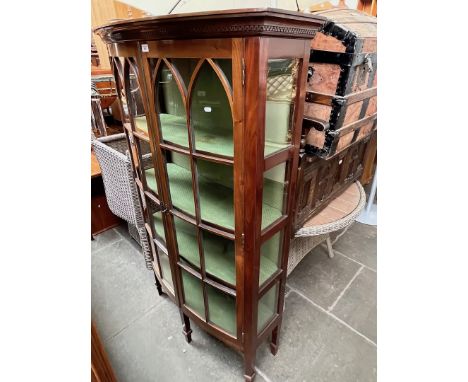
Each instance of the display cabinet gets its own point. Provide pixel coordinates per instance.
(219, 97)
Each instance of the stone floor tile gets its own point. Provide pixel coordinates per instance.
(105, 238)
(153, 348)
(122, 288)
(359, 243)
(320, 278)
(314, 347)
(358, 305)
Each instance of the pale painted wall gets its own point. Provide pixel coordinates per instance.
(156, 7)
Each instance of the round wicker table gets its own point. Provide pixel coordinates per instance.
(340, 213)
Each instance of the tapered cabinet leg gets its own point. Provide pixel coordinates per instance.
(249, 374)
(186, 328)
(158, 285)
(275, 340)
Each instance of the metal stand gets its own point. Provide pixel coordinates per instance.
(369, 214)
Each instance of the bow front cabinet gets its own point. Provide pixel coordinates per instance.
(218, 98)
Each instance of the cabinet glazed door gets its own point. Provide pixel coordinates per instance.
(191, 92)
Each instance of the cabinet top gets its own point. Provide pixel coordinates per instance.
(215, 24)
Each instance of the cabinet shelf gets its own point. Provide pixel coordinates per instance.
(216, 204)
(218, 252)
(174, 130)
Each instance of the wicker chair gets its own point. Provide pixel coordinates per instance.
(317, 230)
(120, 188)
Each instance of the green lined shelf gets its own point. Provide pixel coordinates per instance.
(216, 200)
(222, 309)
(180, 186)
(219, 252)
(193, 293)
(174, 130)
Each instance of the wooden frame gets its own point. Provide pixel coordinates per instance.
(249, 38)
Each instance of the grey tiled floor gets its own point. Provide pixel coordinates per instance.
(328, 332)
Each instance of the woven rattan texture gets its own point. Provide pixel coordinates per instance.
(300, 247)
(120, 187)
(338, 224)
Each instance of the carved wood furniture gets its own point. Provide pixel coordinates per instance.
(219, 97)
(322, 180)
(340, 111)
(341, 99)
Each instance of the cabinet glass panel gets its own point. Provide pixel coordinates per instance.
(222, 309)
(210, 112)
(187, 242)
(273, 194)
(170, 108)
(216, 188)
(159, 227)
(281, 91)
(151, 178)
(180, 182)
(270, 257)
(193, 293)
(267, 307)
(119, 82)
(219, 256)
(135, 101)
(185, 67)
(165, 268)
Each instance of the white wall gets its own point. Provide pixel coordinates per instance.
(162, 7)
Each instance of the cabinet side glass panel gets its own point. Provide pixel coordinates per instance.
(166, 268)
(281, 92)
(135, 101)
(159, 227)
(270, 252)
(267, 307)
(273, 194)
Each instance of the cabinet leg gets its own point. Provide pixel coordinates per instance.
(249, 376)
(186, 328)
(249, 367)
(158, 285)
(274, 340)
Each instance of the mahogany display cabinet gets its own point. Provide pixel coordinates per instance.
(219, 98)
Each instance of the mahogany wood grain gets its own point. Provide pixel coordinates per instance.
(95, 168)
(101, 369)
(249, 38)
(370, 158)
